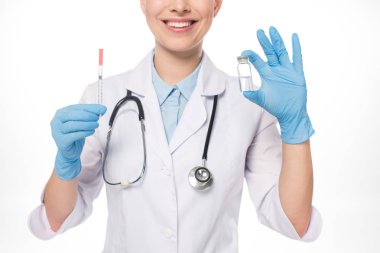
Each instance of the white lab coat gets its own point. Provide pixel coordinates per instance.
(164, 213)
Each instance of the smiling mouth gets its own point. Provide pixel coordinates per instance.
(179, 24)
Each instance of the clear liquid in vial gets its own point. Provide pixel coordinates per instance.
(245, 74)
(246, 83)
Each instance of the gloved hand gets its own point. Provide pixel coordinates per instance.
(283, 86)
(70, 126)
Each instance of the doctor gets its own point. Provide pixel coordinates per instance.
(176, 83)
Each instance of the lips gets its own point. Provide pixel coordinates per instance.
(179, 25)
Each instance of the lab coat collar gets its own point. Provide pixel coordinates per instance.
(185, 86)
(210, 81)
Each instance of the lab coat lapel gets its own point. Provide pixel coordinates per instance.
(193, 117)
(140, 82)
(211, 81)
(154, 126)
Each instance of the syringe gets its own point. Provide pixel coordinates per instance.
(100, 77)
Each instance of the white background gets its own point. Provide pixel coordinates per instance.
(48, 54)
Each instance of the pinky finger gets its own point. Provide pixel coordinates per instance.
(297, 55)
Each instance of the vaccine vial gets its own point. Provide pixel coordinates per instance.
(244, 73)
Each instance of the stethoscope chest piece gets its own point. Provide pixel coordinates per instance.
(200, 178)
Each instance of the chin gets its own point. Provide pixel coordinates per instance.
(181, 46)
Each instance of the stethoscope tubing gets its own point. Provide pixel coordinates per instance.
(141, 116)
(199, 184)
(209, 130)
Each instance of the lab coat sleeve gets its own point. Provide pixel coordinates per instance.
(263, 166)
(89, 185)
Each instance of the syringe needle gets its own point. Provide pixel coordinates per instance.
(100, 77)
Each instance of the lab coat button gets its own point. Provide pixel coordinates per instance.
(168, 232)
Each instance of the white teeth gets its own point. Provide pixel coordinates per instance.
(178, 24)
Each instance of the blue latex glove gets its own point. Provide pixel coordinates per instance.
(70, 126)
(283, 87)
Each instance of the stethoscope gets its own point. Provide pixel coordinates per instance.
(200, 178)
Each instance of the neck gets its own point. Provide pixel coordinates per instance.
(172, 66)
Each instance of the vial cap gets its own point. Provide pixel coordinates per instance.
(242, 59)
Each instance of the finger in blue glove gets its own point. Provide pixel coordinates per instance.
(70, 126)
(283, 87)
